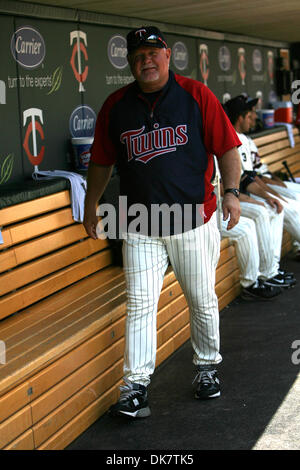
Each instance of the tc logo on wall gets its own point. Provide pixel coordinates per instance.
(28, 47)
(32, 128)
(82, 122)
(204, 64)
(79, 38)
(180, 55)
(117, 51)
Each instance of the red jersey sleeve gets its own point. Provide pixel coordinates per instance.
(103, 150)
(219, 134)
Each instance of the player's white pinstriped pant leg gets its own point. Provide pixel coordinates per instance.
(194, 256)
(292, 191)
(291, 217)
(269, 226)
(243, 235)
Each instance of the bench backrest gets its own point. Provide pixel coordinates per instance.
(275, 148)
(44, 251)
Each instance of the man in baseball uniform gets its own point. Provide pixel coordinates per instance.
(260, 204)
(289, 190)
(243, 236)
(162, 132)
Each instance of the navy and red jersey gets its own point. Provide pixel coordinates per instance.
(164, 148)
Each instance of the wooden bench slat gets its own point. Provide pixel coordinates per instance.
(51, 242)
(40, 225)
(226, 284)
(279, 156)
(64, 299)
(71, 384)
(23, 442)
(225, 269)
(229, 295)
(58, 345)
(18, 347)
(42, 267)
(77, 425)
(277, 165)
(70, 409)
(25, 210)
(11, 428)
(46, 330)
(28, 295)
(273, 147)
(8, 261)
(85, 352)
(14, 400)
(261, 141)
(91, 413)
(7, 241)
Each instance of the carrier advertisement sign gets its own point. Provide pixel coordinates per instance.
(28, 47)
(82, 122)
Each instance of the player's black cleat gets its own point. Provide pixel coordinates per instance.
(260, 291)
(133, 401)
(280, 280)
(208, 384)
(286, 274)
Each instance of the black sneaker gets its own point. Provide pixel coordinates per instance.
(260, 291)
(133, 401)
(286, 274)
(208, 384)
(280, 281)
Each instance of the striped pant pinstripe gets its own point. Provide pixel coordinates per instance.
(291, 216)
(194, 256)
(243, 235)
(269, 226)
(292, 191)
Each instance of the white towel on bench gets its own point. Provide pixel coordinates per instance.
(78, 189)
(1, 239)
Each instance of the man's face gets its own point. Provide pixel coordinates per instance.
(150, 67)
(245, 123)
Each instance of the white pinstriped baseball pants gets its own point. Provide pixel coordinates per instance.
(243, 235)
(291, 216)
(194, 256)
(269, 226)
(292, 191)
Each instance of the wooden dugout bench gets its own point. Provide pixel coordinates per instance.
(62, 319)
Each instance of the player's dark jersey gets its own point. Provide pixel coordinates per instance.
(163, 147)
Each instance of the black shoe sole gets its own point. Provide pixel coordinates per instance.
(207, 397)
(142, 413)
(254, 298)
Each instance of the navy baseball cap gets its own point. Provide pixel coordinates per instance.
(251, 101)
(237, 106)
(145, 36)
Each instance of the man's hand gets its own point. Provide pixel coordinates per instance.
(275, 203)
(90, 222)
(231, 207)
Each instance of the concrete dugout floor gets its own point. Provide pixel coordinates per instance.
(259, 407)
